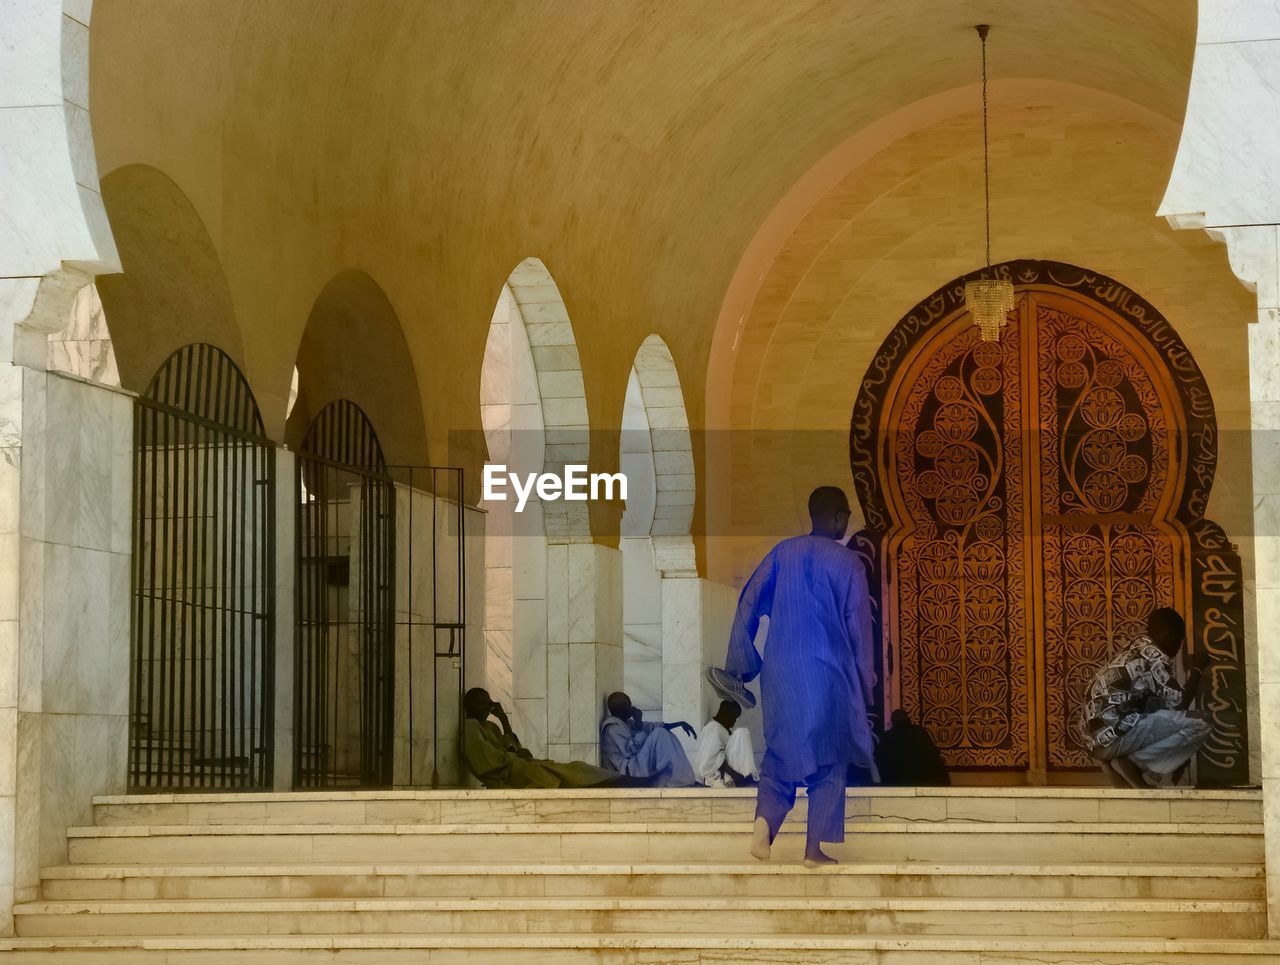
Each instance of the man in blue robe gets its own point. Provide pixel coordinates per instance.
(816, 677)
(642, 749)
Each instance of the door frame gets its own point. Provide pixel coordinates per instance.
(1215, 620)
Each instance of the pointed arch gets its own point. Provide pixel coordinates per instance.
(353, 348)
(173, 290)
(561, 392)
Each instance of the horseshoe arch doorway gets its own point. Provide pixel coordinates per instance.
(1028, 502)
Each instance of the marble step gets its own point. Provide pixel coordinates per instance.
(973, 917)
(172, 882)
(879, 842)
(1000, 805)
(690, 948)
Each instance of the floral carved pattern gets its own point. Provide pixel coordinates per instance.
(1026, 508)
(1105, 466)
(964, 668)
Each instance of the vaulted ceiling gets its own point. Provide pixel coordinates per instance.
(635, 147)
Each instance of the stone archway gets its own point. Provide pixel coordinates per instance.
(662, 648)
(1028, 502)
(553, 622)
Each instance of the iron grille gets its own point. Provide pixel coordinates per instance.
(202, 645)
(431, 625)
(345, 644)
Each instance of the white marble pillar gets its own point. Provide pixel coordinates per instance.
(1226, 180)
(584, 645)
(72, 554)
(53, 237)
(1258, 247)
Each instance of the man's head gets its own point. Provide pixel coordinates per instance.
(900, 718)
(477, 704)
(1167, 629)
(728, 713)
(829, 512)
(619, 705)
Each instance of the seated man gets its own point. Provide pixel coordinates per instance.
(724, 757)
(908, 757)
(640, 749)
(499, 760)
(1134, 719)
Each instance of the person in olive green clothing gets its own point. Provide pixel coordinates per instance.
(499, 760)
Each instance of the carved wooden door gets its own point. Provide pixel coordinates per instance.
(1035, 478)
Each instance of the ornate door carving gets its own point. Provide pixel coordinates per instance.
(960, 562)
(1028, 503)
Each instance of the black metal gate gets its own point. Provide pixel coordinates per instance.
(344, 665)
(202, 646)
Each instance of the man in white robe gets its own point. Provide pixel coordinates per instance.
(724, 757)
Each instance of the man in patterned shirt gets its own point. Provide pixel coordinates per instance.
(1134, 718)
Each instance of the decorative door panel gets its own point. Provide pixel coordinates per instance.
(961, 566)
(1028, 503)
(1106, 472)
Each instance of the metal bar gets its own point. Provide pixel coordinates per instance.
(233, 431)
(462, 619)
(240, 457)
(409, 630)
(200, 591)
(169, 633)
(435, 643)
(138, 691)
(226, 579)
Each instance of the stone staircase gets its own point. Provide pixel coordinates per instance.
(944, 876)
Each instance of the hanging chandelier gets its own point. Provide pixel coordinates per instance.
(989, 300)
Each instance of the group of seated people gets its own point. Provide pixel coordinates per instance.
(640, 753)
(635, 752)
(1135, 720)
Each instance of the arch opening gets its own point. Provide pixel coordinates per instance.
(534, 414)
(656, 454)
(173, 290)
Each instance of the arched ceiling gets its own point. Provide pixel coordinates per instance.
(1069, 183)
(635, 147)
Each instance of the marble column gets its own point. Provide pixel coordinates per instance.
(1264, 392)
(583, 645)
(1226, 180)
(73, 555)
(53, 238)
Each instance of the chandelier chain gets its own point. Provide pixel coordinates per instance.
(986, 155)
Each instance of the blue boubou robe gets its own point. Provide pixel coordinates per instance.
(817, 674)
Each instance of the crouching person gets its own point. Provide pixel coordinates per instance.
(1135, 719)
(724, 756)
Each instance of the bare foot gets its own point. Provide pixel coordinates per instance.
(815, 858)
(760, 840)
